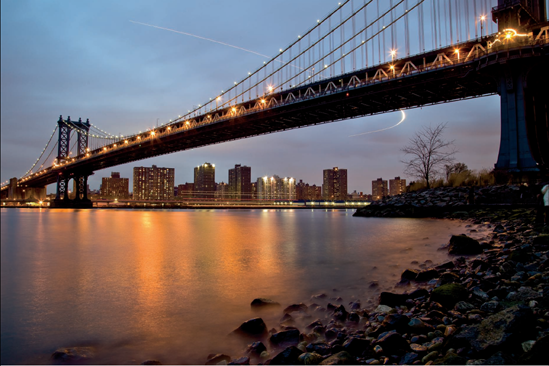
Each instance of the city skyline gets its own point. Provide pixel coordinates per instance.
(128, 77)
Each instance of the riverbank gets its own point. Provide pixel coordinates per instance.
(488, 305)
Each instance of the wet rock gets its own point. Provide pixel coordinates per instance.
(500, 358)
(340, 358)
(409, 358)
(449, 277)
(214, 359)
(449, 294)
(340, 313)
(384, 309)
(506, 329)
(393, 342)
(427, 275)
(151, 362)
(409, 274)
(240, 361)
(447, 265)
(353, 317)
(260, 303)
(285, 338)
(537, 354)
(463, 306)
(490, 306)
(254, 328)
(256, 348)
(451, 359)
(296, 307)
(330, 334)
(319, 296)
(391, 299)
(316, 323)
(287, 357)
(355, 305)
(420, 292)
(320, 348)
(355, 346)
(464, 245)
(398, 322)
(73, 354)
(418, 348)
(523, 294)
(309, 359)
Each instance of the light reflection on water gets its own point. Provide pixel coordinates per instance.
(172, 284)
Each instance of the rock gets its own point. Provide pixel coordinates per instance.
(490, 306)
(340, 358)
(340, 313)
(309, 359)
(240, 361)
(541, 240)
(285, 338)
(263, 303)
(449, 277)
(451, 359)
(316, 323)
(384, 309)
(427, 275)
(319, 296)
(320, 348)
(504, 330)
(393, 342)
(408, 358)
(73, 354)
(463, 306)
(500, 358)
(151, 362)
(355, 346)
(296, 307)
(420, 292)
(253, 328)
(398, 322)
(256, 348)
(391, 299)
(449, 294)
(464, 245)
(447, 265)
(215, 359)
(287, 357)
(418, 348)
(419, 326)
(409, 274)
(537, 354)
(523, 294)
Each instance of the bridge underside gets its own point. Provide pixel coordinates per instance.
(476, 78)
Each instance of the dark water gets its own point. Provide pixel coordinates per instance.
(171, 285)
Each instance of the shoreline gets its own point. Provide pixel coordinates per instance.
(486, 308)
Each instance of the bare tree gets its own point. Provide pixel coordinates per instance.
(456, 168)
(429, 153)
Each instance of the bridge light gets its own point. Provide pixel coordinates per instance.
(139, 137)
(483, 17)
(153, 133)
(114, 145)
(270, 89)
(105, 148)
(169, 128)
(233, 109)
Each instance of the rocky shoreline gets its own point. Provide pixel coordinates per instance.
(489, 305)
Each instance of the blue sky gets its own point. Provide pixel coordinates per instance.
(86, 59)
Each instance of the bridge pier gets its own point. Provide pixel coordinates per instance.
(523, 147)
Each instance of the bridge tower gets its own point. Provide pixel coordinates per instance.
(524, 148)
(63, 153)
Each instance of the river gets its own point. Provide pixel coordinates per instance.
(171, 284)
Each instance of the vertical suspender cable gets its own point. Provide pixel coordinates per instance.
(450, 25)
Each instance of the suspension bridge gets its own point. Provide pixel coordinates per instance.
(364, 58)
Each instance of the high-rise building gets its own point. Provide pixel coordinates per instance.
(115, 187)
(397, 186)
(379, 189)
(153, 183)
(185, 191)
(306, 192)
(240, 182)
(334, 184)
(276, 188)
(204, 181)
(254, 190)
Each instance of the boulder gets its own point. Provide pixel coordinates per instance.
(256, 349)
(393, 343)
(398, 322)
(296, 307)
(217, 358)
(427, 275)
(409, 274)
(340, 358)
(391, 299)
(502, 331)
(287, 357)
(254, 328)
(320, 348)
(449, 294)
(355, 346)
(73, 354)
(340, 313)
(464, 245)
(309, 358)
(285, 338)
(260, 303)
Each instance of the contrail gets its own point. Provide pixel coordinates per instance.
(200, 37)
(383, 129)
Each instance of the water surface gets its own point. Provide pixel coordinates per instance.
(171, 284)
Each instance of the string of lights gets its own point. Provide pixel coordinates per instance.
(41, 154)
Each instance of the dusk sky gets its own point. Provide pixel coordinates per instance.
(87, 59)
